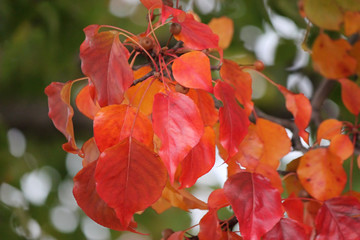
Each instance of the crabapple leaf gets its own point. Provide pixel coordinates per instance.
(331, 57)
(114, 123)
(328, 129)
(256, 204)
(321, 174)
(300, 107)
(339, 218)
(127, 172)
(200, 159)
(287, 228)
(224, 28)
(350, 95)
(178, 124)
(206, 106)
(233, 119)
(192, 70)
(86, 104)
(105, 61)
(61, 112)
(90, 202)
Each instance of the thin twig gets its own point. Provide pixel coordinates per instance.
(143, 78)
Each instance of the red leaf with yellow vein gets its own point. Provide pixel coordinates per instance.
(206, 106)
(350, 95)
(321, 174)
(331, 57)
(224, 28)
(61, 112)
(192, 70)
(328, 129)
(105, 61)
(129, 178)
(200, 159)
(241, 81)
(341, 146)
(152, 4)
(233, 119)
(86, 104)
(90, 202)
(256, 204)
(300, 107)
(285, 229)
(178, 124)
(339, 219)
(210, 227)
(142, 94)
(114, 123)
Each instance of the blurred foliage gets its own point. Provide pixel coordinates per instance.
(39, 44)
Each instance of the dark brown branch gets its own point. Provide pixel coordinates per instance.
(143, 78)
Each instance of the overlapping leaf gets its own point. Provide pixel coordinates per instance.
(328, 129)
(90, 151)
(86, 104)
(285, 229)
(151, 4)
(350, 95)
(339, 218)
(105, 61)
(192, 70)
(256, 204)
(178, 124)
(206, 106)
(210, 227)
(129, 178)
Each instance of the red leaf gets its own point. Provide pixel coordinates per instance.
(89, 201)
(105, 61)
(210, 227)
(206, 106)
(256, 204)
(300, 108)
(61, 112)
(192, 70)
(151, 4)
(85, 103)
(350, 95)
(178, 124)
(234, 122)
(294, 207)
(217, 199)
(90, 151)
(339, 219)
(285, 229)
(129, 178)
(114, 123)
(177, 236)
(200, 159)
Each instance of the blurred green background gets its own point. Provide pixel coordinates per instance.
(39, 44)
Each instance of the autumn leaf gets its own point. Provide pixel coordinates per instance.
(129, 178)
(210, 227)
(233, 119)
(206, 106)
(328, 129)
(355, 52)
(90, 151)
(192, 70)
(61, 112)
(256, 204)
(351, 22)
(339, 218)
(294, 208)
(324, 13)
(105, 61)
(341, 146)
(224, 28)
(285, 229)
(151, 4)
(321, 174)
(178, 124)
(114, 123)
(350, 95)
(217, 199)
(301, 109)
(331, 57)
(86, 104)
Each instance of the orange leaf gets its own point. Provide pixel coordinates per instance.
(351, 22)
(200, 159)
(224, 28)
(328, 129)
(90, 151)
(141, 72)
(178, 124)
(142, 94)
(350, 93)
(192, 70)
(241, 81)
(331, 57)
(300, 108)
(355, 52)
(209, 226)
(105, 61)
(86, 104)
(321, 173)
(114, 123)
(206, 106)
(341, 146)
(151, 4)
(61, 112)
(129, 171)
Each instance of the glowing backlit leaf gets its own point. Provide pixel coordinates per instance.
(206, 106)
(129, 178)
(331, 57)
(85, 103)
(339, 218)
(178, 124)
(350, 95)
(256, 204)
(192, 70)
(328, 129)
(105, 61)
(285, 229)
(114, 123)
(321, 173)
(341, 146)
(224, 28)
(217, 199)
(300, 108)
(61, 112)
(90, 151)
(210, 227)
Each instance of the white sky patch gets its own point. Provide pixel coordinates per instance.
(123, 8)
